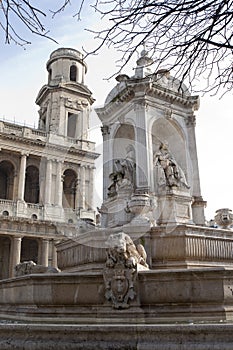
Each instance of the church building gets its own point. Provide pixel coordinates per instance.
(46, 174)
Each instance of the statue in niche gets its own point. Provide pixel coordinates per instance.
(172, 173)
(123, 177)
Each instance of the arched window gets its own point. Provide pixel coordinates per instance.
(31, 194)
(6, 180)
(69, 189)
(73, 73)
(50, 75)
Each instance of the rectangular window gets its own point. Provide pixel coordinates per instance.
(72, 125)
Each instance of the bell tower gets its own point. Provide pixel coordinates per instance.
(65, 101)
(67, 162)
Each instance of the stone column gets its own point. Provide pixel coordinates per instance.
(22, 175)
(15, 253)
(77, 193)
(91, 189)
(45, 252)
(198, 202)
(54, 255)
(107, 161)
(82, 187)
(59, 185)
(48, 182)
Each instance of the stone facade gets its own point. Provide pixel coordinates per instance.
(46, 174)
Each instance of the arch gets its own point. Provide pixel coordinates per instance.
(5, 244)
(5, 213)
(69, 189)
(166, 131)
(6, 180)
(32, 188)
(73, 72)
(29, 250)
(124, 136)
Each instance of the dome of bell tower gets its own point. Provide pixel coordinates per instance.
(66, 65)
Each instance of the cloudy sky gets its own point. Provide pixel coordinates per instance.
(23, 72)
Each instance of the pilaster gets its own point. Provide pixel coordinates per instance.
(142, 147)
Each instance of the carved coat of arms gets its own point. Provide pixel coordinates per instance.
(121, 269)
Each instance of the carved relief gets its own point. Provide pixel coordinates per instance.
(29, 267)
(224, 218)
(120, 273)
(74, 104)
(105, 129)
(191, 120)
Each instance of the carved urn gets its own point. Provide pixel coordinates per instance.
(224, 218)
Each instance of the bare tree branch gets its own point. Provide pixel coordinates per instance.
(192, 37)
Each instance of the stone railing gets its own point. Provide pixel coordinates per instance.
(8, 207)
(205, 248)
(77, 255)
(22, 131)
(74, 214)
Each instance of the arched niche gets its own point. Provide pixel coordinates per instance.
(6, 180)
(32, 187)
(124, 137)
(69, 189)
(165, 131)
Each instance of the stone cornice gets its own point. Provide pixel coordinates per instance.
(28, 227)
(146, 89)
(44, 145)
(71, 88)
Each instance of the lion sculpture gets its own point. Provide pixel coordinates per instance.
(121, 249)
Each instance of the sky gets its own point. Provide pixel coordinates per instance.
(23, 72)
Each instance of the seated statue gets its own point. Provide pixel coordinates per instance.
(173, 174)
(121, 249)
(124, 172)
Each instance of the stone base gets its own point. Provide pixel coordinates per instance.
(162, 296)
(116, 337)
(174, 207)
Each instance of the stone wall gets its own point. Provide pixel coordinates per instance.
(116, 337)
